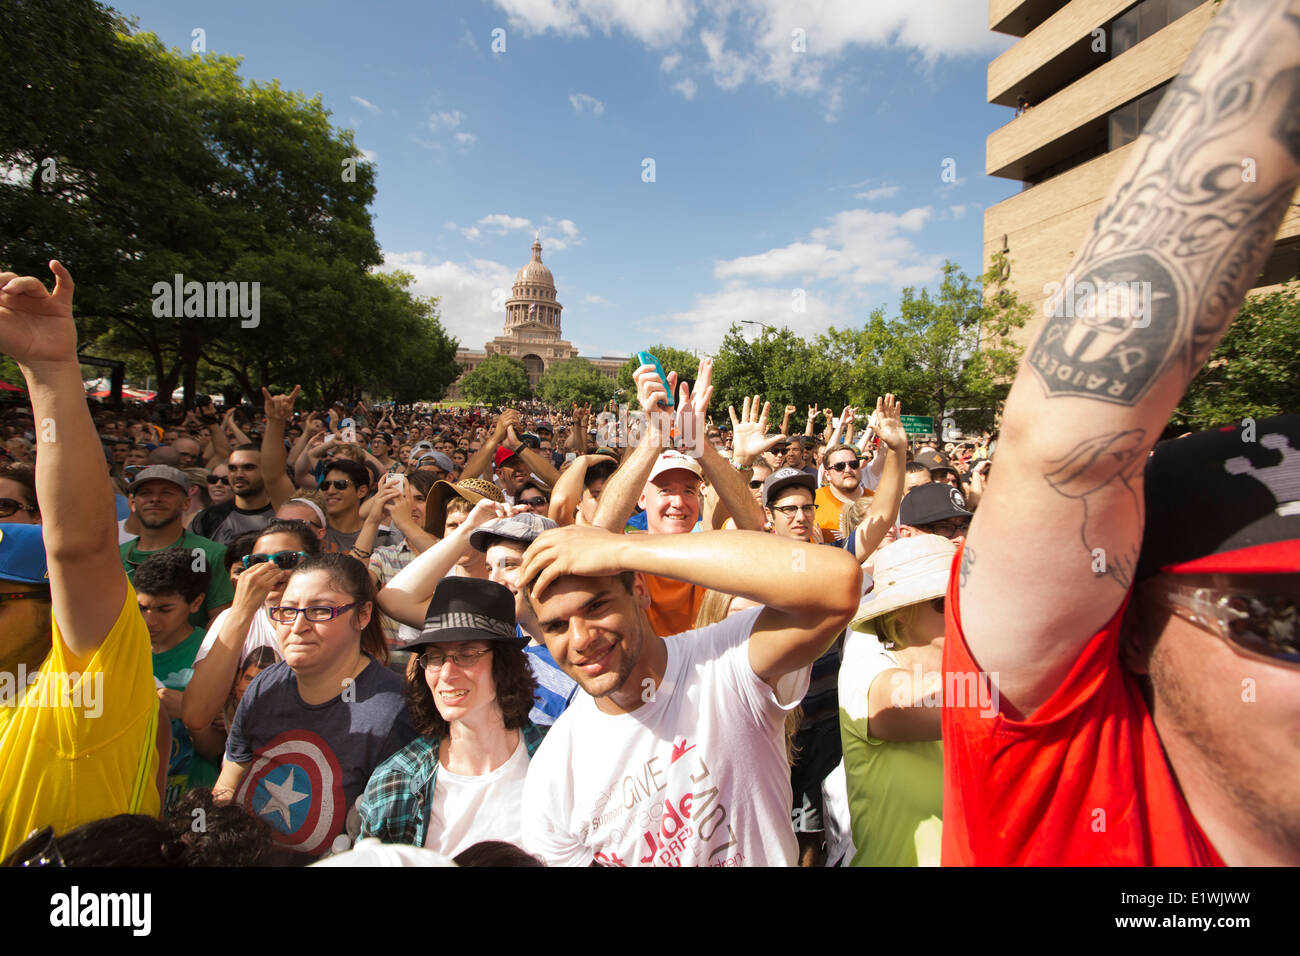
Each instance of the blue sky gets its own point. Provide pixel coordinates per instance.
(775, 168)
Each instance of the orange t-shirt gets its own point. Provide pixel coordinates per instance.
(673, 604)
(1083, 782)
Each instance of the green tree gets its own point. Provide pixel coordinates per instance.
(574, 380)
(1254, 372)
(137, 163)
(779, 365)
(497, 380)
(684, 363)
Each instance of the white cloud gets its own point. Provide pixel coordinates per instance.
(441, 121)
(466, 290)
(959, 210)
(686, 87)
(466, 139)
(653, 22)
(557, 234)
(743, 41)
(880, 192)
(366, 103)
(582, 103)
(594, 300)
(704, 324)
(858, 246)
(370, 155)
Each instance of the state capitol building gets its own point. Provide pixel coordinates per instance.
(532, 332)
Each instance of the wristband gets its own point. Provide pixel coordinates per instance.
(739, 467)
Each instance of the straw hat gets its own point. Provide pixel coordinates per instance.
(472, 490)
(906, 572)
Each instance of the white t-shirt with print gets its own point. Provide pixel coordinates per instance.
(695, 777)
(468, 810)
(261, 633)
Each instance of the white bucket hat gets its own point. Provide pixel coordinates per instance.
(907, 571)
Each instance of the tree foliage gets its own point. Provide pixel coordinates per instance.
(1254, 371)
(134, 163)
(497, 380)
(946, 353)
(574, 380)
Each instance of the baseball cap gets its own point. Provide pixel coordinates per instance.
(544, 426)
(934, 460)
(503, 455)
(439, 459)
(1225, 502)
(787, 476)
(160, 473)
(931, 502)
(468, 609)
(22, 554)
(524, 528)
(672, 461)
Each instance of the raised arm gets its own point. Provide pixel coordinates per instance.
(623, 489)
(87, 583)
(889, 493)
(406, 597)
(279, 409)
(1182, 235)
(731, 485)
(810, 592)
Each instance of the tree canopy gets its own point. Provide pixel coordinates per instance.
(574, 380)
(497, 380)
(135, 164)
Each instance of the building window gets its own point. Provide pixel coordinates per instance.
(1145, 19)
(1127, 122)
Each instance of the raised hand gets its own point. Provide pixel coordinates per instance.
(888, 423)
(749, 432)
(576, 549)
(36, 325)
(280, 407)
(694, 408)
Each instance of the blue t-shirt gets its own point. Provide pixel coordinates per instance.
(555, 689)
(310, 762)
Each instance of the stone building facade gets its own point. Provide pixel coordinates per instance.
(532, 331)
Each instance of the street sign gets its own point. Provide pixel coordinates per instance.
(917, 424)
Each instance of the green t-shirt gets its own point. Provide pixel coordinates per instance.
(186, 769)
(895, 788)
(220, 591)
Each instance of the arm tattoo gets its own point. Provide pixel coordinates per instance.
(1173, 253)
(1105, 463)
(967, 563)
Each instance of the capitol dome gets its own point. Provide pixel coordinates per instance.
(533, 272)
(533, 302)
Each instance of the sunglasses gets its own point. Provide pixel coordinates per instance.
(339, 484)
(218, 480)
(9, 506)
(25, 595)
(756, 482)
(39, 849)
(284, 560)
(1259, 623)
(853, 464)
(533, 502)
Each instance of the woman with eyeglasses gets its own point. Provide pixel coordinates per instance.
(245, 626)
(470, 691)
(891, 686)
(311, 729)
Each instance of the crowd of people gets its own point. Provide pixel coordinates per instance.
(540, 636)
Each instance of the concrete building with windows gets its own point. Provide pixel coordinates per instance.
(532, 330)
(1083, 78)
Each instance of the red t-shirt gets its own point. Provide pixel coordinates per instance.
(1084, 782)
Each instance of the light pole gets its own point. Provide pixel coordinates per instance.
(766, 328)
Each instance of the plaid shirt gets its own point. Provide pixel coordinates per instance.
(399, 797)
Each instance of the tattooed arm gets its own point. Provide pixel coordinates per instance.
(1183, 234)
